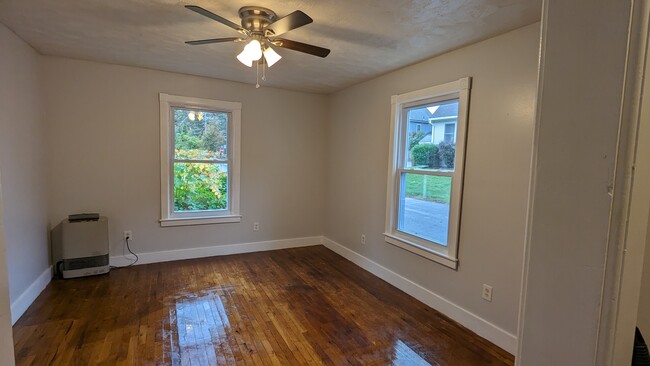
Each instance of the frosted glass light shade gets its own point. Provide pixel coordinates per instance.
(252, 52)
(271, 56)
(244, 59)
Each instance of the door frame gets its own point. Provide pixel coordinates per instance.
(631, 203)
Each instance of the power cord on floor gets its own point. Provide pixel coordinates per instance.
(128, 247)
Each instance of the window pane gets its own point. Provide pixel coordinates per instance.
(450, 133)
(200, 134)
(431, 136)
(200, 186)
(424, 208)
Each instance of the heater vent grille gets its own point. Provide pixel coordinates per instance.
(86, 262)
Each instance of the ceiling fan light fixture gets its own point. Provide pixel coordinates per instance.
(271, 56)
(262, 27)
(244, 59)
(255, 49)
(252, 52)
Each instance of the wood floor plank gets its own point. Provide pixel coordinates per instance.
(303, 306)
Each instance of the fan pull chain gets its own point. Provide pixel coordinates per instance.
(257, 69)
(264, 71)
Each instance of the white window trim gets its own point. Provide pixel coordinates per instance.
(445, 255)
(167, 218)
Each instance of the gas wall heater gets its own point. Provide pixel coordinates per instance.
(80, 247)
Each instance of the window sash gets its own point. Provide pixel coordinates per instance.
(172, 212)
(170, 217)
(192, 213)
(215, 161)
(400, 211)
(441, 173)
(400, 193)
(449, 130)
(450, 133)
(229, 116)
(403, 121)
(459, 90)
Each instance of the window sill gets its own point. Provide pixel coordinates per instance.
(422, 251)
(186, 221)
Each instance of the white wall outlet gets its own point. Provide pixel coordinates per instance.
(256, 226)
(363, 238)
(128, 235)
(487, 292)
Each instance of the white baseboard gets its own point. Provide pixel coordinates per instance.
(28, 296)
(471, 321)
(190, 253)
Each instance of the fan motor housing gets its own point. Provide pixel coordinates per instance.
(255, 18)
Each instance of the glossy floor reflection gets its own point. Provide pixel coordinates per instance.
(202, 329)
(405, 356)
(304, 306)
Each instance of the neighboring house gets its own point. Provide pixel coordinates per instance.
(438, 126)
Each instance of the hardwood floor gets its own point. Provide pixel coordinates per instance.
(286, 307)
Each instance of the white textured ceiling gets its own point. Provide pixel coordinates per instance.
(367, 37)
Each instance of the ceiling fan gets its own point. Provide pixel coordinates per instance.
(260, 27)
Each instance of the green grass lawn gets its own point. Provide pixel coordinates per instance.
(437, 188)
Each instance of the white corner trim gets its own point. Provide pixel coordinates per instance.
(201, 252)
(20, 305)
(473, 322)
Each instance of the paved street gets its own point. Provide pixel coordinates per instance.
(426, 219)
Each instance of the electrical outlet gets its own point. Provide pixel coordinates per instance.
(363, 238)
(487, 292)
(256, 226)
(128, 235)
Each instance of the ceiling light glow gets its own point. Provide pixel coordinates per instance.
(252, 52)
(271, 56)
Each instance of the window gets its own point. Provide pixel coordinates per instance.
(199, 147)
(450, 133)
(425, 177)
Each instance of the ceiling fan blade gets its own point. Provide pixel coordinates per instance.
(292, 21)
(214, 16)
(301, 47)
(213, 40)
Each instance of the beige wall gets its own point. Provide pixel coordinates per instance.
(501, 117)
(22, 163)
(104, 154)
